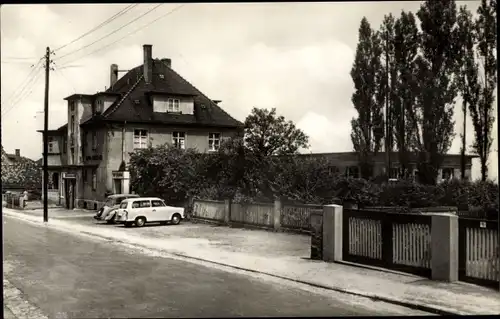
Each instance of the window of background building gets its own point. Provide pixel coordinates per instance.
(213, 141)
(352, 171)
(51, 144)
(94, 179)
(447, 173)
(179, 139)
(94, 140)
(140, 139)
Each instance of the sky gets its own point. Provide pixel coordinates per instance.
(292, 56)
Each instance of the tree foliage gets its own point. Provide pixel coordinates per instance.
(267, 133)
(436, 65)
(406, 44)
(23, 172)
(467, 71)
(168, 172)
(482, 115)
(368, 128)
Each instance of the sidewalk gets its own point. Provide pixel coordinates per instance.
(286, 256)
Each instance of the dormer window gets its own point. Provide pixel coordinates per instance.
(173, 105)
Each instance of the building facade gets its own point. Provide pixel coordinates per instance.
(149, 106)
(348, 163)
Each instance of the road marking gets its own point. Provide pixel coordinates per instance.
(14, 301)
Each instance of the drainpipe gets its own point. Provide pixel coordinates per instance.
(123, 141)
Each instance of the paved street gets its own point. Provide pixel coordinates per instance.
(70, 276)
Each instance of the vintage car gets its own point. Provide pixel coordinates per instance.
(107, 212)
(142, 210)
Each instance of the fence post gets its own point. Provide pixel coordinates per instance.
(277, 215)
(332, 232)
(444, 247)
(227, 211)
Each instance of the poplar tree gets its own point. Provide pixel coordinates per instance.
(467, 72)
(406, 44)
(368, 127)
(482, 115)
(437, 90)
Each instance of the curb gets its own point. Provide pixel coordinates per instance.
(415, 306)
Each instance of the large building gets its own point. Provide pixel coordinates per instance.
(149, 106)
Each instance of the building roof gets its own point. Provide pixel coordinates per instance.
(57, 131)
(132, 87)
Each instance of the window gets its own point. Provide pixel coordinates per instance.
(94, 180)
(118, 200)
(157, 203)
(72, 155)
(333, 170)
(447, 173)
(394, 172)
(72, 123)
(173, 105)
(352, 171)
(213, 141)
(179, 139)
(94, 140)
(72, 106)
(140, 139)
(84, 175)
(141, 204)
(64, 144)
(51, 144)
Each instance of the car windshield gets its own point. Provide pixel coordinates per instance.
(118, 200)
(123, 205)
(109, 202)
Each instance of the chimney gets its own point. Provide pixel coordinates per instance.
(167, 62)
(113, 75)
(148, 63)
(18, 152)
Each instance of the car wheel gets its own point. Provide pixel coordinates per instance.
(176, 219)
(140, 221)
(112, 220)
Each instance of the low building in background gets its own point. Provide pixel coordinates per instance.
(348, 163)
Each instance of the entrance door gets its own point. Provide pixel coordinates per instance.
(118, 186)
(66, 193)
(69, 190)
(73, 191)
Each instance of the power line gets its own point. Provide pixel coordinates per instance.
(18, 58)
(22, 97)
(15, 96)
(60, 72)
(23, 83)
(110, 19)
(127, 35)
(16, 62)
(113, 32)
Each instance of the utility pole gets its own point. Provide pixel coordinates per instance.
(46, 139)
(387, 127)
